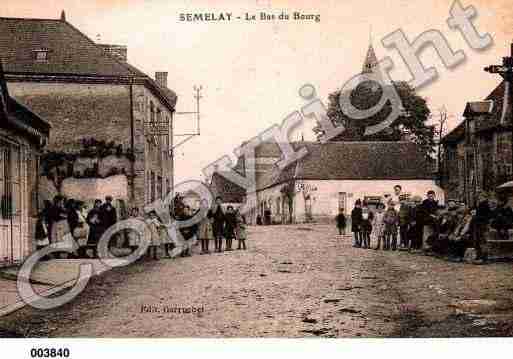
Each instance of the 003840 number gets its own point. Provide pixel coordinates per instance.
(49, 353)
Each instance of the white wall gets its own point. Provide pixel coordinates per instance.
(325, 194)
(87, 189)
(325, 198)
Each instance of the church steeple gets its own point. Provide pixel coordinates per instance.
(371, 61)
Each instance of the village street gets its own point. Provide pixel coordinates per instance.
(293, 281)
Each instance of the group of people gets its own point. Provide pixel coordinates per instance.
(401, 222)
(204, 224)
(218, 225)
(64, 216)
(67, 215)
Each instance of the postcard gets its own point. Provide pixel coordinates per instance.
(255, 169)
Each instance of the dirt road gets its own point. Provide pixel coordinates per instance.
(293, 281)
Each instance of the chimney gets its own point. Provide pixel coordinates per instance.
(161, 78)
(119, 52)
(63, 16)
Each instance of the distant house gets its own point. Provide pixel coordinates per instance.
(23, 134)
(477, 153)
(89, 91)
(231, 194)
(334, 175)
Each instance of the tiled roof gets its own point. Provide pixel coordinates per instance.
(69, 53)
(493, 120)
(355, 161)
(456, 134)
(476, 108)
(18, 115)
(226, 189)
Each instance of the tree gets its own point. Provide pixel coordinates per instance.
(411, 124)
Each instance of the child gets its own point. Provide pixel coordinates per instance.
(356, 219)
(404, 215)
(240, 230)
(154, 224)
(205, 230)
(366, 226)
(341, 222)
(229, 229)
(379, 225)
(391, 221)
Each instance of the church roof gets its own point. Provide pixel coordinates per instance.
(354, 161)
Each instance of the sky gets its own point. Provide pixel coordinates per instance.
(251, 71)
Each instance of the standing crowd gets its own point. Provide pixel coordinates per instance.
(64, 216)
(401, 222)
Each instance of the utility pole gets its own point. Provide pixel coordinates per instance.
(506, 72)
(443, 121)
(189, 135)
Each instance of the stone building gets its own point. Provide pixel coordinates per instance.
(89, 91)
(23, 135)
(477, 153)
(330, 177)
(334, 175)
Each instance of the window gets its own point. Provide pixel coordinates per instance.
(41, 55)
(342, 199)
(152, 113)
(10, 185)
(168, 186)
(152, 187)
(159, 187)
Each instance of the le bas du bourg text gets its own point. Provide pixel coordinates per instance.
(260, 16)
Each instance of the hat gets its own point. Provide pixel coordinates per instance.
(417, 199)
(452, 205)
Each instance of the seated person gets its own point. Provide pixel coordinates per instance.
(446, 226)
(460, 239)
(502, 220)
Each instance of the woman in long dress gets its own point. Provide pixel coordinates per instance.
(205, 228)
(240, 230)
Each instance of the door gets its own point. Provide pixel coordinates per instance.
(11, 238)
(342, 202)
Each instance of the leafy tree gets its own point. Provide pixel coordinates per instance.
(411, 125)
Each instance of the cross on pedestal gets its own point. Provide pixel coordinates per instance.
(506, 72)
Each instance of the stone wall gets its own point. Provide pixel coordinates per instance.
(103, 112)
(78, 111)
(151, 155)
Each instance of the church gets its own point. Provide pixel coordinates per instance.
(332, 176)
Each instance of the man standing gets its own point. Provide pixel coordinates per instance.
(356, 221)
(96, 227)
(108, 213)
(429, 209)
(404, 221)
(341, 222)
